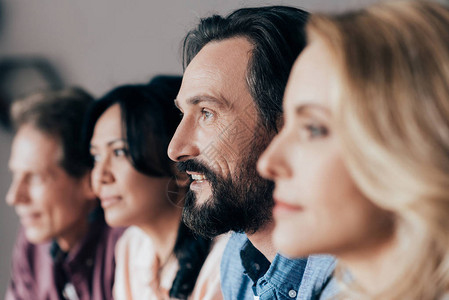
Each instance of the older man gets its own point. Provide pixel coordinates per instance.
(65, 249)
(236, 69)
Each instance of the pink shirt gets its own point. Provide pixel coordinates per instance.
(89, 267)
(138, 275)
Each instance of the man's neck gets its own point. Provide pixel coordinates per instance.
(262, 241)
(67, 241)
(78, 231)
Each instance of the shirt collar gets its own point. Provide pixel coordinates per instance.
(286, 274)
(56, 253)
(283, 274)
(254, 262)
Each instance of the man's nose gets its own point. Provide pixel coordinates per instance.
(183, 145)
(17, 192)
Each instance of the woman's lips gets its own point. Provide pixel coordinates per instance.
(109, 201)
(282, 207)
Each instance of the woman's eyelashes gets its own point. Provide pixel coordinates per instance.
(120, 151)
(316, 130)
(116, 152)
(312, 130)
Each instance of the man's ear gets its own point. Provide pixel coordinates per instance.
(86, 185)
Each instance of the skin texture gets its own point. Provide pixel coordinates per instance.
(318, 207)
(219, 141)
(50, 203)
(127, 196)
(214, 96)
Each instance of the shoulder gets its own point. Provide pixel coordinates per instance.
(31, 266)
(208, 282)
(231, 254)
(330, 290)
(234, 283)
(134, 238)
(26, 253)
(218, 247)
(318, 278)
(134, 245)
(216, 253)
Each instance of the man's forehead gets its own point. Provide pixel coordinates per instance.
(33, 149)
(227, 51)
(217, 71)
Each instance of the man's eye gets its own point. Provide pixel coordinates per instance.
(206, 114)
(36, 178)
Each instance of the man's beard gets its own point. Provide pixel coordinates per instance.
(242, 203)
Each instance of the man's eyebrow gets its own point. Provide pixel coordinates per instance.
(195, 100)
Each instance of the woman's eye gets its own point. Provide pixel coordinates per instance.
(312, 131)
(120, 152)
(316, 131)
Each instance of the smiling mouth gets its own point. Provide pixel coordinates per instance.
(199, 181)
(29, 219)
(109, 201)
(198, 177)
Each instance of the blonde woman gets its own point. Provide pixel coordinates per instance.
(361, 165)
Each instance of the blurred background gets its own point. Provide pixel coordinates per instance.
(96, 45)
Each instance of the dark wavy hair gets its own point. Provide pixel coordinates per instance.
(149, 120)
(277, 35)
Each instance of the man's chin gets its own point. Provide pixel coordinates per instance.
(36, 237)
(197, 213)
(202, 191)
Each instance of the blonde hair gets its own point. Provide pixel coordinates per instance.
(392, 112)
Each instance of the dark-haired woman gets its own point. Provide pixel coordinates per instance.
(157, 257)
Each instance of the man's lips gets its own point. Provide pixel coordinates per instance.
(199, 181)
(28, 219)
(197, 176)
(108, 201)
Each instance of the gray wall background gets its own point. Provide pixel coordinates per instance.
(98, 44)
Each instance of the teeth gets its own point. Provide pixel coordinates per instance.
(198, 177)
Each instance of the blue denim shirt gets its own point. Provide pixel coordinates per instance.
(302, 279)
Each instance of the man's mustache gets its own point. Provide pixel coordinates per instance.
(193, 165)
